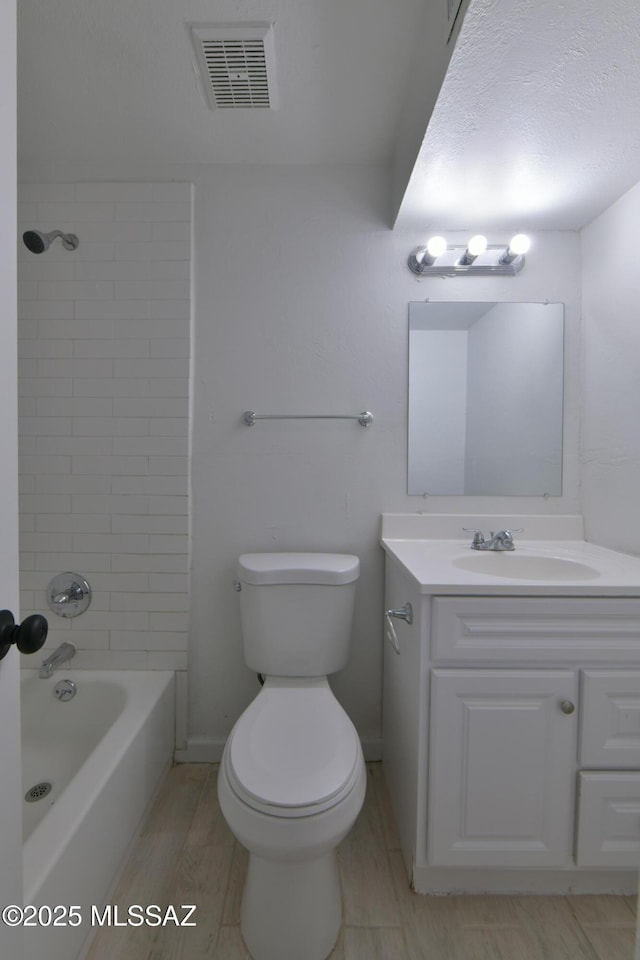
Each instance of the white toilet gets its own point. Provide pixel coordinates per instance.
(292, 778)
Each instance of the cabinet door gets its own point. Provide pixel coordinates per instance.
(608, 832)
(610, 719)
(502, 767)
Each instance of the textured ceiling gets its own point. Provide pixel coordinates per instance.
(538, 121)
(537, 124)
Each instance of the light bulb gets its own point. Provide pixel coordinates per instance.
(519, 244)
(477, 245)
(436, 246)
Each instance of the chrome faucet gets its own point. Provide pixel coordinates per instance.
(63, 653)
(502, 540)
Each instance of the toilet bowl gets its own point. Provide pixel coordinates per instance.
(292, 778)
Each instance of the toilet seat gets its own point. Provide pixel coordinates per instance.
(294, 752)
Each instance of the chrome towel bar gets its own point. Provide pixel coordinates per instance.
(365, 419)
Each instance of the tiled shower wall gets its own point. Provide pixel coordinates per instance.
(104, 416)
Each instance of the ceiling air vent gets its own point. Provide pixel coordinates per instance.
(236, 64)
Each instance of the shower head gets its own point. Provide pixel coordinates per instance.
(38, 242)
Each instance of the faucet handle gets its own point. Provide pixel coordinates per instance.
(478, 536)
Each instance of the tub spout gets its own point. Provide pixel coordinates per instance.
(63, 653)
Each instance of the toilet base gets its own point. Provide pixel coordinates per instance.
(291, 910)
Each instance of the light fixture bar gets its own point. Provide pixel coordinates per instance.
(499, 266)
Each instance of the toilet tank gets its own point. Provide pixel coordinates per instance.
(296, 611)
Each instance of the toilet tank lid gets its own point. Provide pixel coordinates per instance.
(331, 568)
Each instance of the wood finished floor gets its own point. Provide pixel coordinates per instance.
(186, 854)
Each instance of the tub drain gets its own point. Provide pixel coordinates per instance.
(38, 791)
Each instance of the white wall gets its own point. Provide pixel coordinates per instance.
(301, 306)
(300, 296)
(610, 434)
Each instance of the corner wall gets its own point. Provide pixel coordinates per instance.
(611, 397)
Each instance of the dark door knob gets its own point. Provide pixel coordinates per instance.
(28, 636)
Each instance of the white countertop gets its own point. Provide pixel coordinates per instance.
(432, 562)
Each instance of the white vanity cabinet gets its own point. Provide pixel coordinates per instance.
(512, 739)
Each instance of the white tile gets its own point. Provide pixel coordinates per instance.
(45, 426)
(158, 250)
(131, 582)
(53, 563)
(153, 367)
(46, 309)
(125, 310)
(171, 309)
(137, 505)
(75, 367)
(44, 387)
(133, 327)
(171, 347)
(168, 466)
(110, 426)
(36, 269)
(168, 620)
(75, 407)
(111, 348)
(152, 446)
(117, 620)
(151, 640)
(71, 445)
(170, 387)
(169, 581)
(79, 329)
(168, 231)
(113, 270)
(45, 503)
(149, 563)
(43, 543)
(132, 466)
(85, 639)
(79, 483)
(177, 210)
(170, 270)
(168, 543)
(27, 290)
(111, 543)
(174, 602)
(130, 660)
(40, 465)
(150, 290)
(152, 523)
(114, 191)
(173, 191)
(181, 709)
(70, 211)
(178, 506)
(46, 191)
(118, 232)
(151, 407)
(110, 388)
(73, 523)
(77, 290)
(169, 427)
(46, 348)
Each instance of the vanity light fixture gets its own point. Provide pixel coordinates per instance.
(478, 258)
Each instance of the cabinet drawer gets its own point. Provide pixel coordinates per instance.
(608, 832)
(549, 629)
(610, 719)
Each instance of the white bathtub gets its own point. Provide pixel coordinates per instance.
(104, 753)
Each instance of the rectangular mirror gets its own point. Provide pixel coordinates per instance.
(485, 398)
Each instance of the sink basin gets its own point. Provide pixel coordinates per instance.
(525, 567)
